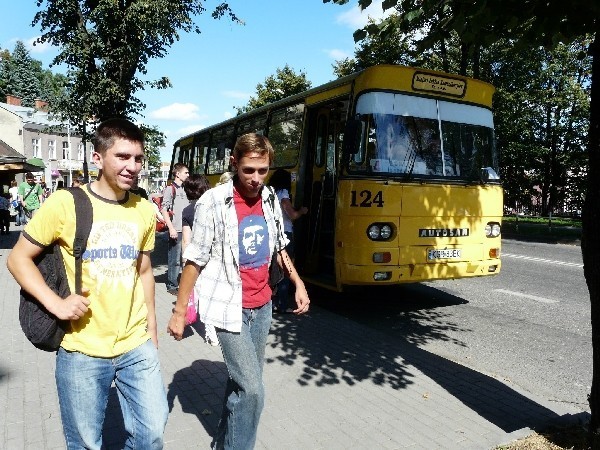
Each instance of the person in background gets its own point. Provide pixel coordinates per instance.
(112, 336)
(77, 182)
(225, 177)
(45, 190)
(14, 201)
(138, 190)
(30, 196)
(174, 200)
(194, 187)
(234, 293)
(4, 213)
(281, 181)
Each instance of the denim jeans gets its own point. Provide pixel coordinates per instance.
(244, 355)
(84, 383)
(174, 262)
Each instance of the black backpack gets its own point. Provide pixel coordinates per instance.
(44, 330)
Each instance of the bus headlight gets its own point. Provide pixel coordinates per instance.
(492, 229)
(380, 231)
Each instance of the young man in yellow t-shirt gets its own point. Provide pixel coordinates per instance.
(113, 333)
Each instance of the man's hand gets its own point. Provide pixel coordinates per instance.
(302, 299)
(176, 326)
(73, 307)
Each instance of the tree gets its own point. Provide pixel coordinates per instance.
(23, 76)
(534, 23)
(541, 110)
(19, 75)
(284, 83)
(155, 140)
(106, 46)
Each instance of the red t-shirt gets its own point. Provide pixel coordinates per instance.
(253, 238)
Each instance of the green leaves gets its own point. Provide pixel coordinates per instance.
(107, 45)
(284, 83)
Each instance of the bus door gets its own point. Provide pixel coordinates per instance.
(320, 246)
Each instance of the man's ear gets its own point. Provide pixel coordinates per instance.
(97, 159)
(233, 162)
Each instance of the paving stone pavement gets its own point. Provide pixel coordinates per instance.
(330, 384)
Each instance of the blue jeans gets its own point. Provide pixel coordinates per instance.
(84, 383)
(174, 262)
(244, 355)
(280, 299)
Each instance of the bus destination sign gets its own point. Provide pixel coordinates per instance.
(435, 83)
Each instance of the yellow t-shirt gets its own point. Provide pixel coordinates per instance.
(116, 320)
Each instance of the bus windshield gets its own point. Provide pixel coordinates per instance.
(408, 136)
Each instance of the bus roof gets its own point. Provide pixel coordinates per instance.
(482, 96)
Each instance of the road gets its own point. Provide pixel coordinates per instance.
(529, 326)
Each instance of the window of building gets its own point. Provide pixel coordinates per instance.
(35, 144)
(80, 151)
(52, 149)
(65, 150)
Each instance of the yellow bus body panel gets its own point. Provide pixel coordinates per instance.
(425, 217)
(398, 78)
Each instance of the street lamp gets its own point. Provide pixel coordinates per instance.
(69, 161)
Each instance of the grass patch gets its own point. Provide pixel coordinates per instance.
(558, 221)
(572, 437)
(559, 230)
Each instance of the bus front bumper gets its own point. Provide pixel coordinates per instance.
(414, 273)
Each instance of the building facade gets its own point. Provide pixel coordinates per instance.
(53, 147)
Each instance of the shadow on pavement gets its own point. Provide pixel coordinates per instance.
(334, 353)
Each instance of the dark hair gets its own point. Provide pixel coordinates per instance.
(29, 176)
(195, 185)
(117, 128)
(177, 167)
(281, 179)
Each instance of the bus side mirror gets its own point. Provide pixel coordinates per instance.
(352, 135)
(488, 174)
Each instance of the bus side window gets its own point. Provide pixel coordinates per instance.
(321, 144)
(285, 131)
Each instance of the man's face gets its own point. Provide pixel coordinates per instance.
(31, 181)
(121, 164)
(182, 174)
(252, 169)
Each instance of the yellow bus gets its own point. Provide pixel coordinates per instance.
(397, 167)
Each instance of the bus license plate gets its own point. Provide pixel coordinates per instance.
(446, 253)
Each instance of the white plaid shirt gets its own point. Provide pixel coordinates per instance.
(214, 246)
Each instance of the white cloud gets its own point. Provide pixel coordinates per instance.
(177, 111)
(354, 18)
(338, 54)
(37, 47)
(228, 115)
(237, 95)
(189, 129)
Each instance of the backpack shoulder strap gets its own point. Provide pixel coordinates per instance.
(83, 225)
(30, 191)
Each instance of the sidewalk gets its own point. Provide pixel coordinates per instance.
(330, 384)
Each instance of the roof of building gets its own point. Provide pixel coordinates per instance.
(7, 153)
(32, 116)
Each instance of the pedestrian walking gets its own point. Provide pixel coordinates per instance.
(235, 234)
(173, 202)
(112, 336)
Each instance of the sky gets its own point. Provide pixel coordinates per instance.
(218, 69)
